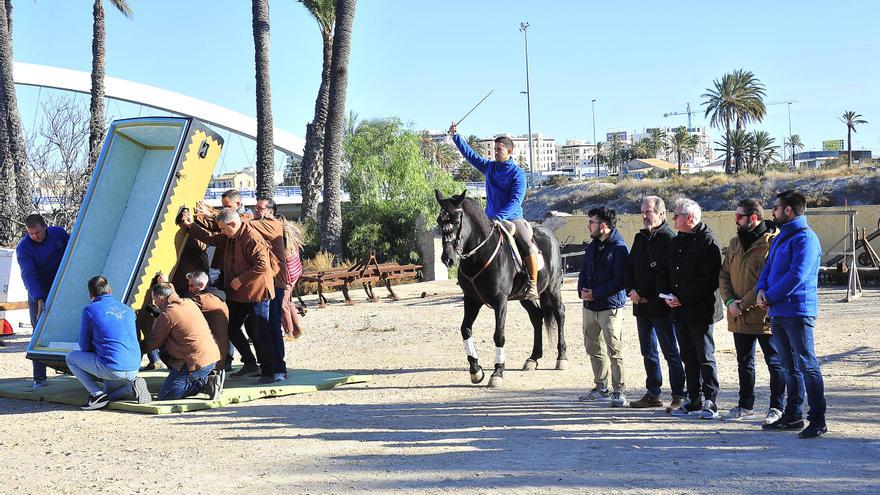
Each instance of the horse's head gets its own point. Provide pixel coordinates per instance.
(451, 222)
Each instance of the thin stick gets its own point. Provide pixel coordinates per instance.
(475, 107)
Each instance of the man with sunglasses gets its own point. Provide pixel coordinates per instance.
(788, 288)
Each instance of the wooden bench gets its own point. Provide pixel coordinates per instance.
(366, 273)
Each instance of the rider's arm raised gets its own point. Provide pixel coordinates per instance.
(479, 162)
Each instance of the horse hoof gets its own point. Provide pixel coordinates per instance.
(495, 381)
(562, 364)
(478, 377)
(531, 365)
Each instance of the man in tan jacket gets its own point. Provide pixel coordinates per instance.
(249, 287)
(745, 258)
(183, 333)
(212, 303)
(272, 229)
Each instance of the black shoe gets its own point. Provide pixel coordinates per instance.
(266, 380)
(213, 386)
(141, 392)
(815, 430)
(246, 369)
(96, 402)
(784, 423)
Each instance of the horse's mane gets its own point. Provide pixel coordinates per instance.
(475, 212)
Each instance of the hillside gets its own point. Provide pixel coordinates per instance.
(713, 192)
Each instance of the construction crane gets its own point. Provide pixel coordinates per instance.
(687, 112)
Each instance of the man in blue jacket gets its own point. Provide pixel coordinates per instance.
(601, 287)
(39, 254)
(108, 350)
(505, 192)
(788, 288)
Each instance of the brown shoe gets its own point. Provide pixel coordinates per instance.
(532, 292)
(647, 400)
(675, 404)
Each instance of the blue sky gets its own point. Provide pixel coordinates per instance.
(429, 62)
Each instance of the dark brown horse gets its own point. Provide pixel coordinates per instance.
(488, 276)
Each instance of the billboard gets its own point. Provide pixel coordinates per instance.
(832, 145)
(621, 135)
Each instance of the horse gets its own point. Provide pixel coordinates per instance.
(488, 275)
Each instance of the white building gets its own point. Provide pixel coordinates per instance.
(544, 151)
(575, 157)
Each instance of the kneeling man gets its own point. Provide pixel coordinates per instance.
(109, 350)
(184, 334)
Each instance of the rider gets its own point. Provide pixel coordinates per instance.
(505, 192)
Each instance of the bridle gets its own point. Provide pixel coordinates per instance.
(447, 228)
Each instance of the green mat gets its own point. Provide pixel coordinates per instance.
(67, 390)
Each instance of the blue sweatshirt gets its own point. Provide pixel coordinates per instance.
(791, 274)
(604, 272)
(39, 261)
(107, 328)
(505, 183)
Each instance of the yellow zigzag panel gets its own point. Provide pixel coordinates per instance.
(194, 176)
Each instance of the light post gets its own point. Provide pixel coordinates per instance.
(595, 144)
(524, 26)
(790, 135)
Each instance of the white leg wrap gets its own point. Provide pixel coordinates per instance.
(469, 348)
(499, 355)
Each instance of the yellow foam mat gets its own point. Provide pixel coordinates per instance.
(67, 390)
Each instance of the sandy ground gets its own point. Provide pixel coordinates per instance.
(420, 426)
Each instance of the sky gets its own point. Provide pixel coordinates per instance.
(428, 63)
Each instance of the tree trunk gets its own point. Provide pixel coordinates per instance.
(311, 174)
(265, 144)
(848, 146)
(96, 105)
(331, 219)
(15, 184)
(727, 151)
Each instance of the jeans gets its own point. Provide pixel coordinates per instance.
(603, 330)
(153, 356)
(276, 336)
(39, 368)
(745, 361)
(184, 383)
(258, 314)
(650, 331)
(697, 347)
(87, 368)
(793, 337)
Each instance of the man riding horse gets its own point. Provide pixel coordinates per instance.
(505, 192)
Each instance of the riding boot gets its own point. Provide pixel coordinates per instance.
(531, 262)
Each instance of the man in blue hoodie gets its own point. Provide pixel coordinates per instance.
(39, 254)
(787, 287)
(108, 350)
(505, 192)
(601, 285)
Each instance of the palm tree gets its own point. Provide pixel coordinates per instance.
(331, 218)
(659, 142)
(644, 148)
(684, 145)
(793, 143)
(736, 99)
(599, 157)
(614, 153)
(761, 150)
(15, 188)
(312, 171)
(96, 106)
(265, 140)
(736, 142)
(851, 119)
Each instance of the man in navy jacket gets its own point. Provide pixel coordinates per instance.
(601, 287)
(39, 255)
(788, 288)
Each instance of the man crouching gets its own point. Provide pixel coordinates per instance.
(186, 338)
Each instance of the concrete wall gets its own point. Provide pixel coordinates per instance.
(829, 228)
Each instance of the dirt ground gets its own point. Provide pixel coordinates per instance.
(420, 427)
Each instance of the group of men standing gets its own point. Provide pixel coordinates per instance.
(679, 286)
(196, 334)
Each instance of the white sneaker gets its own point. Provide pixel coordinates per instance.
(595, 394)
(773, 415)
(738, 413)
(618, 399)
(710, 410)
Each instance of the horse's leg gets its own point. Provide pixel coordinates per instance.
(559, 316)
(471, 310)
(536, 316)
(497, 377)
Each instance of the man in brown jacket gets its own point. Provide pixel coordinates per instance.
(272, 229)
(212, 303)
(745, 258)
(183, 333)
(249, 287)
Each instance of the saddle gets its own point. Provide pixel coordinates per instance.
(508, 229)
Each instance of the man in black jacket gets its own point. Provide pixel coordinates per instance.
(688, 282)
(653, 318)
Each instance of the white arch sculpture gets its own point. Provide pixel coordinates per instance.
(142, 94)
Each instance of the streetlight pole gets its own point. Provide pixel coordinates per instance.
(524, 26)
(790, 135)
(595, 144)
